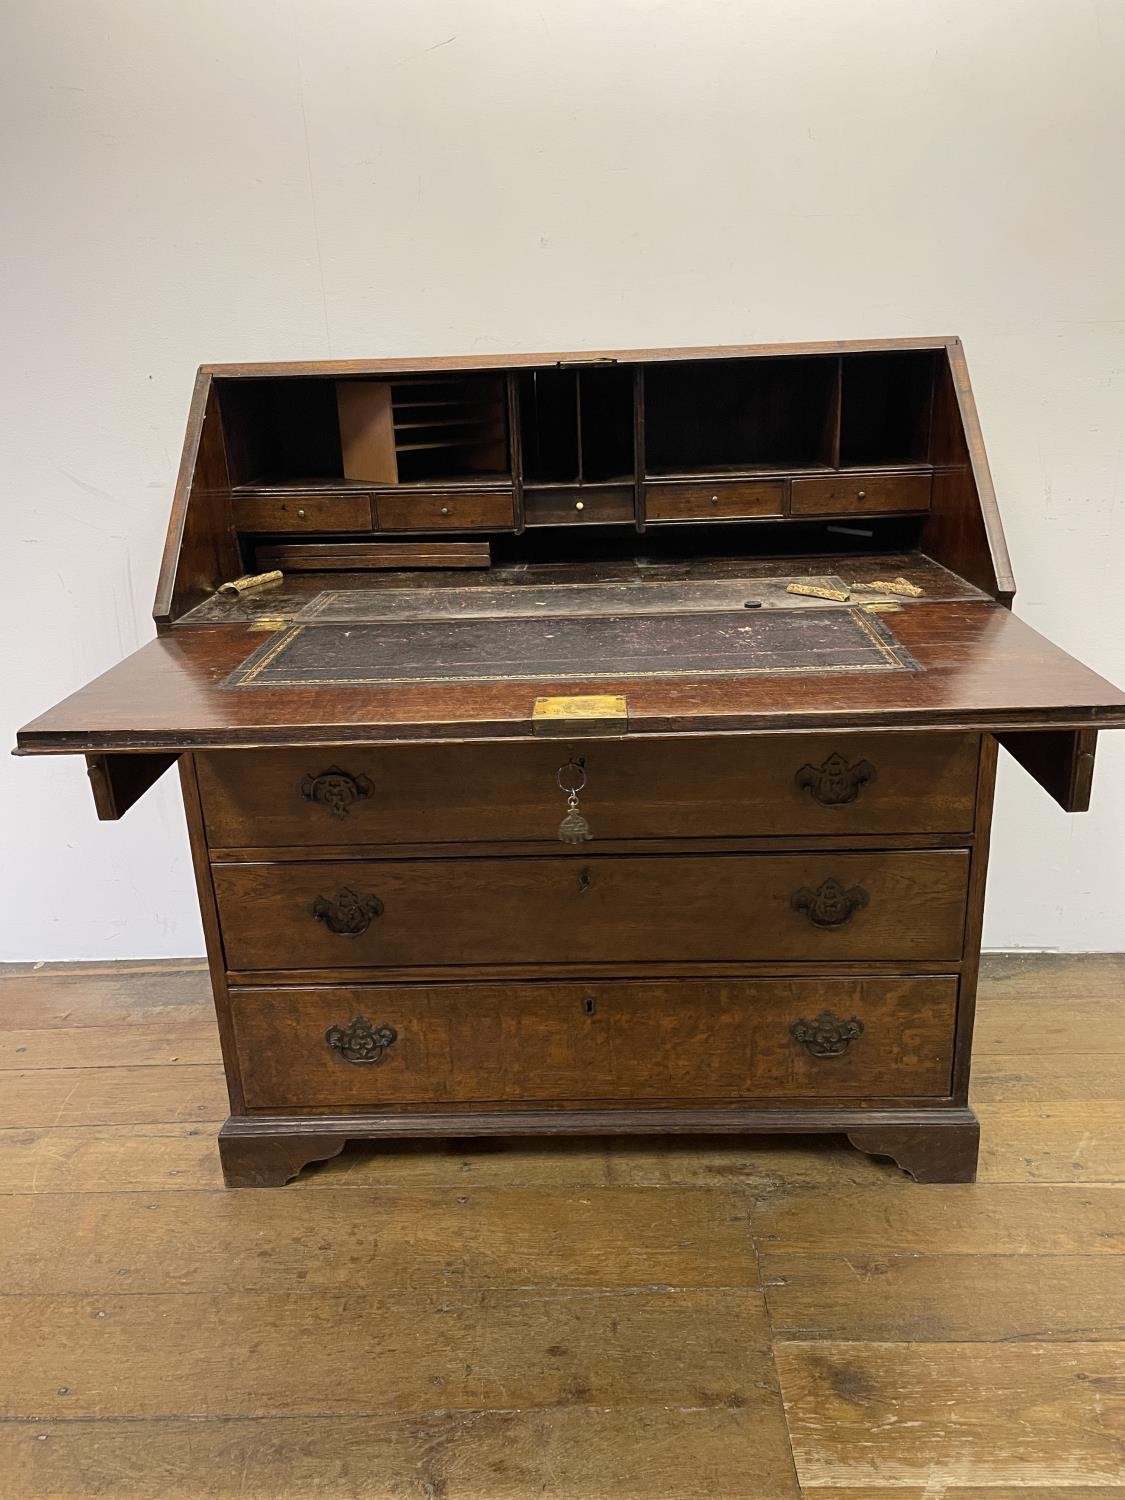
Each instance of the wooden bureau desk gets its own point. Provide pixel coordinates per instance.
(540, 795)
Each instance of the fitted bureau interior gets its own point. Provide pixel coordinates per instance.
(605, 446)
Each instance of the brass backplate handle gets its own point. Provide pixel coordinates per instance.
(830, 905)
(336, 790)
(361, 1041)
(828, 1035)
(349, 914)
(835, 783)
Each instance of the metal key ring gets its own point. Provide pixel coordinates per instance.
(578, 785)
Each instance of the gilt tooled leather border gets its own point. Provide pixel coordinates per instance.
(873, 648)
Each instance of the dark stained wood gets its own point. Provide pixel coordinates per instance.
(200, 550)
(963, 530)
(974, 917)
(117, 781)
(274, 1160)
(608, 909)
(717, 501)
(982, 668)
(1061, 761)
(860, 494)
(948, 1154)
(603, 1040)
(212, 926)
(311, 512)
(634, 790)
(790, 810)
(578, 505)
(329, 556)
(459, 510)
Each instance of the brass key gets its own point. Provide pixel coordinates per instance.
(574, 828)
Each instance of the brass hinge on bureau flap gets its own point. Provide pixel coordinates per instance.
(602, 713)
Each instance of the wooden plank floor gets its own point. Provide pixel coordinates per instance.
(602, 1320)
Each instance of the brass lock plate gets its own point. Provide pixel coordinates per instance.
(584, 714)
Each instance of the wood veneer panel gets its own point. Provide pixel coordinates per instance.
(117, 781)
(981, 668)
(634, 790)
(611, 1041)
(664, 910)
(200, 550)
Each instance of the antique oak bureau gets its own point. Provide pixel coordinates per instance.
(615, 751)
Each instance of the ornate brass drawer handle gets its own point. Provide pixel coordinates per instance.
(349, 914)
(336, 790)
(361, 1042)
(830, 905)
(835, 783)
(827, 1036)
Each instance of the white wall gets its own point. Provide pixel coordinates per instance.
(265, 179)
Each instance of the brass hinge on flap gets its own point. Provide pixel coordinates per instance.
(583, 714)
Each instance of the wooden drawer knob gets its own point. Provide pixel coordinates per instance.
(348, 915)
(361, 1042)
(830, 905)
(827, 1036)
(336, 790)
(835, 783)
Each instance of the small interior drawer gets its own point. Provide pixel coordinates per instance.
(455, 510)
(570, 505)
(815, 1040)
(295, 512)
(860, 494)
(713, 501)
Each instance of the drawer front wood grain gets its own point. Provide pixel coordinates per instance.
(610, 909)
(795, 785)
(373, 1046)
(575, 506)
(860, 494)
(713, 502)
(311, 512)
(461, 510)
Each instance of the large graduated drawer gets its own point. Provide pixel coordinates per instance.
(693, 788)
(606, 909)
(367, 1046)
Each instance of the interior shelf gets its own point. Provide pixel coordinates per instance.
(740, 416)
(577, 426)
(885, 408)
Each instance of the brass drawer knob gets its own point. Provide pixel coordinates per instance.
(445, 510)
(835, 783)
(336, 790)
(361, 1042)
(830, 905)
(348, 915)
(827, 1036)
